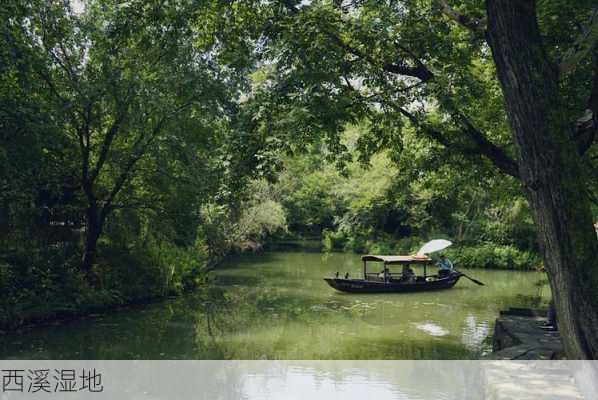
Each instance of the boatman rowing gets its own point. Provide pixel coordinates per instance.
(445, 265)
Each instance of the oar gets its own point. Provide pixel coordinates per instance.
(471, 279)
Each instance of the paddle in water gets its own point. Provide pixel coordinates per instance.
(471, 279)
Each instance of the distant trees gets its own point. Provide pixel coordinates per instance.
(419, 196)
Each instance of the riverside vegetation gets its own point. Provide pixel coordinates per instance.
(141, 143)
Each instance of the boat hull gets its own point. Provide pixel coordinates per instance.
(364, 286)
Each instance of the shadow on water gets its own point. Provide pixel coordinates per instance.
(307, 246)
(230, 280)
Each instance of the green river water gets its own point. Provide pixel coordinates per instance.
(276, 306)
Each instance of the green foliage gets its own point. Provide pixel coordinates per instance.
(114, 116)
(370, 244)
(37, 283)
(261, 215)
(194, 128)
(490, 255)
(385, 206)
(243, 225)
(485, 255)
(306, 188)
(44, 284)
(152, 269)
(260, 220)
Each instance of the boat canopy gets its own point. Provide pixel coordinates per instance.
(397, 259)
(433, 246)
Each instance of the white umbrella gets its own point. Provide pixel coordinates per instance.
(434, 246)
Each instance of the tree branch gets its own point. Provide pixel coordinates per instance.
(107, 142)
(139, 149)
(111, 133)
(489, 149)
(476, 26)
(481, 145)
(400, 67)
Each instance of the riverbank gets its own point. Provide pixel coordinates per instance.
(518, 336)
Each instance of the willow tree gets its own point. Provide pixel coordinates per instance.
(509, 83)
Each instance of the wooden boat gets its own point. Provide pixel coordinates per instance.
(387, 281)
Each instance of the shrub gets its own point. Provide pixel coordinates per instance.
(493, 256)
(367, 242)
(150, 269)
(40, 284)
(37, 283)
(333, 240)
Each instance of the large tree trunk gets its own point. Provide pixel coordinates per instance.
(551, 170)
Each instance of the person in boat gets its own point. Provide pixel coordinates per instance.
(445, 265)
(384, 273)
(408, 276)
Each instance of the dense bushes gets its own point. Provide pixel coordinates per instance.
(37, 283)
(40, 283)
(152, 269)
(494, 256)
(245, 225)
(342, 241)
(486, 255)
(142, 254)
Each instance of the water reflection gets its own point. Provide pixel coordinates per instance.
(474, 332)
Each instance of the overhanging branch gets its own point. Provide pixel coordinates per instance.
(418, 71)
(400, 67)
(480, 144)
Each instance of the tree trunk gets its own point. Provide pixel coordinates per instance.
(92, 234)
(551, 170)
